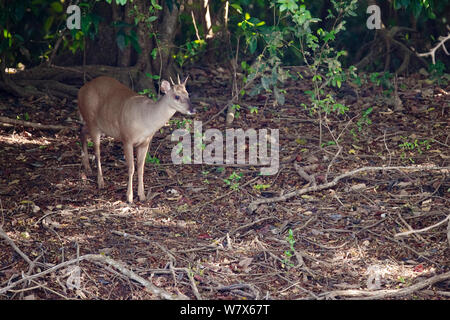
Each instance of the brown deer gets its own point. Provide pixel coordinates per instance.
(109, 107)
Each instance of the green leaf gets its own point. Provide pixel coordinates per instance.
(253, 43)
(57, 6)
(152, 76)
(265, 81)
(48, 23)
(154, 53)
(237, 7)
(156, 5)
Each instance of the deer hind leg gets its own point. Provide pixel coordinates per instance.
(84, 150)
(95, 135)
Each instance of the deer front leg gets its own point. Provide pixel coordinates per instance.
(141, 152)
(96, 139)
(128, 151)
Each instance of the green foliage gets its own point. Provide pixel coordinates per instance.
(253, 109)
(25, 116)
(437, 72)
(189, 52)
(181, 124)
(220, 169)
(236, 109)
(321, 58)
(27, 30)
(150, 159)
(327, 144)
(418, 7)
(233, 180)
(89, 28)
(410, 147)
(148, 93)
(288, 254)
(364, 120)
(382, 79)
(294, 31)
(260, 187)
(121, 2)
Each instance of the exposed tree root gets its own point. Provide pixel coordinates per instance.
(64, 82)
(385, 45)
(35, 125)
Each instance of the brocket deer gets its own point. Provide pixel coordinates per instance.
(109, 107)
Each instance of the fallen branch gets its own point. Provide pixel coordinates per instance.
(401, 234)
(432, 52)
(171, 256)
(35, 125)
(252, 224)
(13, 245)
(92, 257)
(448, 232)
(382, 294)
(97, 258)
(253, 205)
(302, 173)
(236, 288)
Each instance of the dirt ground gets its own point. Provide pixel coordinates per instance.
(195, 236)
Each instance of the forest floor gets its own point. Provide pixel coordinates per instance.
(195, 236)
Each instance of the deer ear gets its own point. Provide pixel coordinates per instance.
(165, 86)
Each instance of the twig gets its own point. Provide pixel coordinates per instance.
(432, 52)
(251, 224)
(387, 148)
(253, 205)
(400, 243)
(382, 294)
(401, 234)
(192, 281)
(97, 258)
(419, 237)
(234, 90)
(195, 25)
(235, 287)
(13, 245)
(172, 259)
(217, 114)
(448, 232)
(332, 161)
(302, 173)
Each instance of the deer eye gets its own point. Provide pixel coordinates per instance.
(177, 97)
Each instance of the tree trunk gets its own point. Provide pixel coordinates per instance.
(167, 30)
(121, 13)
